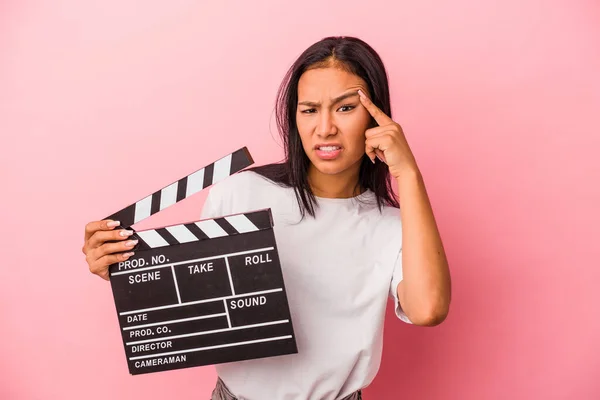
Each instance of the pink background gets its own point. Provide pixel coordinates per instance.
(102, 102)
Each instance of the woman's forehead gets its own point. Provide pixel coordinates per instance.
(328, 83)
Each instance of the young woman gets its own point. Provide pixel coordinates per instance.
(345, 240)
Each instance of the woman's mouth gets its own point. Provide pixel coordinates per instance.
(328, 152)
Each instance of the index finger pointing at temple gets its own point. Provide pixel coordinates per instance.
(380, 117)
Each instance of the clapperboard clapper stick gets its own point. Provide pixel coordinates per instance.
(204, 292)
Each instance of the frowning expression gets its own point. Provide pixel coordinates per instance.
(331, 119)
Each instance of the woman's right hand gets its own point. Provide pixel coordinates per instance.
(99, 254)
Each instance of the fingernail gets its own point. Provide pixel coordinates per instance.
(126, 233)
(131, 243)
(373, 160)
(380, 159)
(127, 255)
(360, 93)
(112, 224)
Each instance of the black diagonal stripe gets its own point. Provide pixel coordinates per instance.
(125, 216)
(208, 175)
(262, 219)
(181, 189)
(167, 236)
(196, 231)
(141, 244)
(227, 227)
(240, 159)
(155, 204)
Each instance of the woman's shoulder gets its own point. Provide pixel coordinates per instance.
(387, 218)
(242, 184)
(242, 192)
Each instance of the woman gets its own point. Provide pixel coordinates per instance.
(344, 241)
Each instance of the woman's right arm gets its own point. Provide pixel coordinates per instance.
(103, 246)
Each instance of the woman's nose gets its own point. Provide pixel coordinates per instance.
(326, 125)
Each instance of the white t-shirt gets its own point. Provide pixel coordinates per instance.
(339, 269)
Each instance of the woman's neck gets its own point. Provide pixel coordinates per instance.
(342, 185)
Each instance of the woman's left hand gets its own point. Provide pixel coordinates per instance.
(387, 141)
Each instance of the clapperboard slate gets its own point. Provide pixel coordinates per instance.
(201, 293)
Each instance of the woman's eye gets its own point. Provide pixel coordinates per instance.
(346, 108)
(308, 111)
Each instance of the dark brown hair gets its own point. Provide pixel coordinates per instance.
(358, 58)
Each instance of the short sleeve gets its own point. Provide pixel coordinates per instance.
(396, 279)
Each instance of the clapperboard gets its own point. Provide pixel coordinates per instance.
(204, 292)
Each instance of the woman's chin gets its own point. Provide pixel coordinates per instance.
(331, 167)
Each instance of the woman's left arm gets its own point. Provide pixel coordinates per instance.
(425, 290)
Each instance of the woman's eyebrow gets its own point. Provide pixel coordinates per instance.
(334, 101)
(345, 96)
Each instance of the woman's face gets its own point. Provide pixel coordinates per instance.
(331, 119)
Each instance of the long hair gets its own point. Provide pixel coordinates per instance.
(358, 58)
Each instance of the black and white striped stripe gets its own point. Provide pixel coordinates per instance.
(183, 188)
(205, 229)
